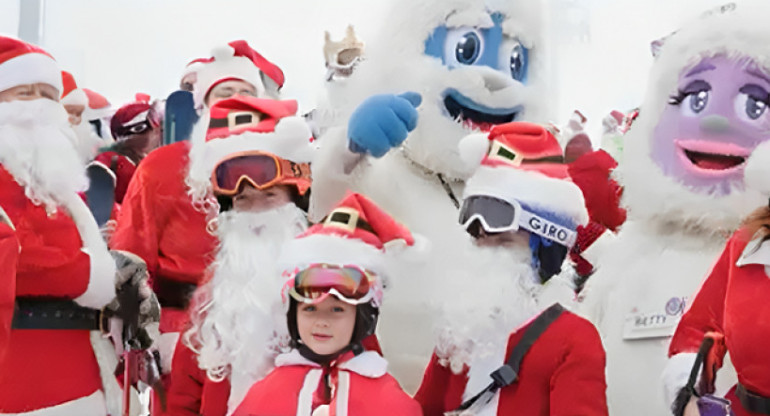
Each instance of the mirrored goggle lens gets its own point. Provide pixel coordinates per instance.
(494, 214)
(315, 282)
(259, 169)
(137, 128)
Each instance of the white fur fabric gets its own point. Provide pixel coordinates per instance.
(238, 322)
(37, 149)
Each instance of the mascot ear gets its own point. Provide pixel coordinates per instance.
(657, 45)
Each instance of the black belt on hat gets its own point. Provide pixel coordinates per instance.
(54, 313)
(172, 293)
(753, 402)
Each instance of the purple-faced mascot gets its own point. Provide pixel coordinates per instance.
(705, 112)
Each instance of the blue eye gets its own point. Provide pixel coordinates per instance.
(518, 62)
(698, 101)
(468, 48)
(755, 108)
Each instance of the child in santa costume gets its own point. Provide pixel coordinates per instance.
(683, 186)
(522, 212)
(731, 302)
(262, 199)
(332, 298)
(58, 276)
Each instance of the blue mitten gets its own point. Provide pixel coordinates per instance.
(382, 122)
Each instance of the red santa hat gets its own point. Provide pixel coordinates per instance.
(240, 114)
(71, 94)
(137, 113)
(356, 232)
(98, 105)
(22, 63)
(523, 163)
(236, 60)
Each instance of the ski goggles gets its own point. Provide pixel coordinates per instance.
(497, 216)
(260, 169)
(350, 284)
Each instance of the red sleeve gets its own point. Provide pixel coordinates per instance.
(706, 311)
(438, 393)
(9, 253)
(186, 387)
(138, 223)
(578, 385)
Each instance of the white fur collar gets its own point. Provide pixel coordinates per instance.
(756, 252)
(368, 364)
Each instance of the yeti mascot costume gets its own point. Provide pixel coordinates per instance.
(438, 71)
(683, 171)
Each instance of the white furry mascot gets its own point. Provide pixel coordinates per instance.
(683, 173)
(461, 66)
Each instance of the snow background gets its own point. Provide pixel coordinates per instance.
(120, 47)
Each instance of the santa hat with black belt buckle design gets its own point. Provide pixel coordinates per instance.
(243, 124)
(238, 61)
(356, 232)
(22, 63)
(522, 164)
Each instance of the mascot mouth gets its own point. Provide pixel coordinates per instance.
(712, 157)
(477, 116)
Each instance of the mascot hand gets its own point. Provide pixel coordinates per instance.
(382, 122)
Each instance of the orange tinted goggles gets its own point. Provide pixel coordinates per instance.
(260, 169)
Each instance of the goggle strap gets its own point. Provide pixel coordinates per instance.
(547, 229)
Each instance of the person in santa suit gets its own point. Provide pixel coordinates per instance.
(332, 297)
(261, 192)
(522, 212)
(58, 276)
(98, 114)
(684, 188)
(136, 128)
(730, 302)
(167, 208)
(75, 101)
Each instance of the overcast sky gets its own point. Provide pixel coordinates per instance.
(119, 47)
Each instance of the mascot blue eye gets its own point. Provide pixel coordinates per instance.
(519, 62)
(468, 48)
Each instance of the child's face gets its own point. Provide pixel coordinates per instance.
(326, 327)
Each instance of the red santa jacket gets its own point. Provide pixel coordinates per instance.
(159, 223)
(122, 167)
(59, 255)
(733, 301)
(562, 374)
(361, 386)
(192, 393)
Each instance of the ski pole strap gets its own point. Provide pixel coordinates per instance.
(700, 358)
(509, 372)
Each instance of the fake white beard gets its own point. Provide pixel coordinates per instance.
(483, 305)
(86, 141)
(36, 148)
(238, 313)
